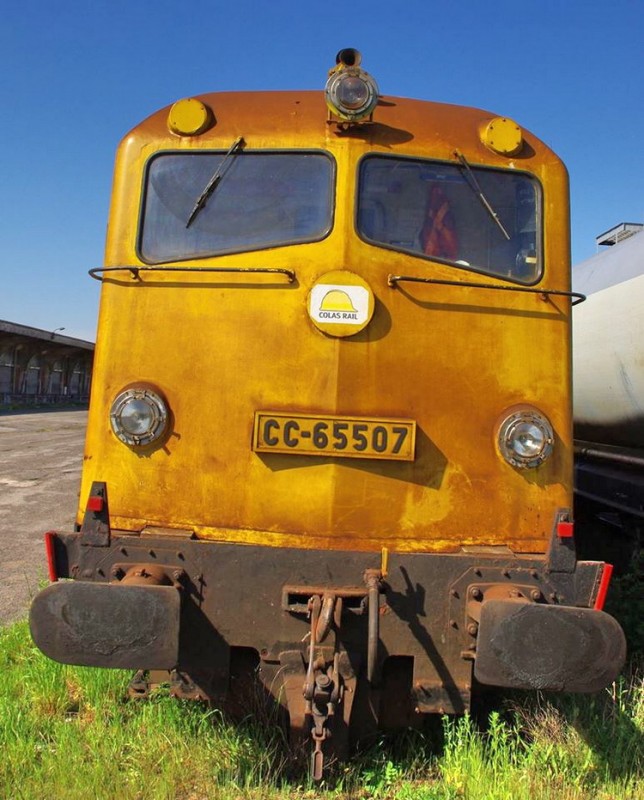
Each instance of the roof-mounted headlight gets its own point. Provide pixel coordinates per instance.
(351, 93)
(139, 416)
(525, 438)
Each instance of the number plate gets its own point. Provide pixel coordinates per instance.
(342, 437)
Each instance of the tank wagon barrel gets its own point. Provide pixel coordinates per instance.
(322, 440)
(608, 336)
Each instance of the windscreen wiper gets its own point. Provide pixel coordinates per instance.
(474, 185)
(212, 184)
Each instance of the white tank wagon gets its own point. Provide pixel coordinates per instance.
(608, 358)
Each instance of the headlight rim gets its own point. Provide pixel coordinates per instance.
(155, 400)
(332, 92)
(508, 425)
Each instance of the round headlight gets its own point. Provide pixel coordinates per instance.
(526, 439)
(139, 416)
(351, 94)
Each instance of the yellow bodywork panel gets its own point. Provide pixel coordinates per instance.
(226, 348)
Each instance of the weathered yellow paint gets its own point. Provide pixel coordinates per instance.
(502, 135)
(337, 300)
(222, 347)
(189, 117)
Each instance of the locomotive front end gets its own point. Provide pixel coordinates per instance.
(329, 433)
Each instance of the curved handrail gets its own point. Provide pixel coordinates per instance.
(576, 297)
(97, 272)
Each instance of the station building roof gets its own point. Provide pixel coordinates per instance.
(39, 366)
(27, 332)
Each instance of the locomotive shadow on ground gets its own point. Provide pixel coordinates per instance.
(603, 745)
(427, 471)
(598, 739)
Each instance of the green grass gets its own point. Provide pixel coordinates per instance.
(68, 732)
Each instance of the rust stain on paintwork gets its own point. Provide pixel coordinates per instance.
(224, 347)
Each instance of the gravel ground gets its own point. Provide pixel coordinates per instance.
(41, 456)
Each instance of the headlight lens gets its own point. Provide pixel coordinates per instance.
(139, 416)
(352, 94)
(526, 439)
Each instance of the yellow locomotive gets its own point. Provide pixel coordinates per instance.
(330, 423)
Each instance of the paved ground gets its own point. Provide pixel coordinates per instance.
(40, 462)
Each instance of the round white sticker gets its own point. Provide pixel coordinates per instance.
(341, 303)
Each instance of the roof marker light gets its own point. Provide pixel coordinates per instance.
(502, 136)
(189, 117)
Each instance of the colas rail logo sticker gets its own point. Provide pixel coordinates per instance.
(341, 303)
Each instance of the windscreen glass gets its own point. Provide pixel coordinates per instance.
(201, 204)
(483, 220)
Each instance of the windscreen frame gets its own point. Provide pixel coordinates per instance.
(476, 200)
(147, 258)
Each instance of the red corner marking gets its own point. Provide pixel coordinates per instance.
(607, 574)
(51, 555)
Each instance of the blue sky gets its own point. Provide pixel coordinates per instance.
(75, 76)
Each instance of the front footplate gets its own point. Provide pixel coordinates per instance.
(108, 625)
(533, 646)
